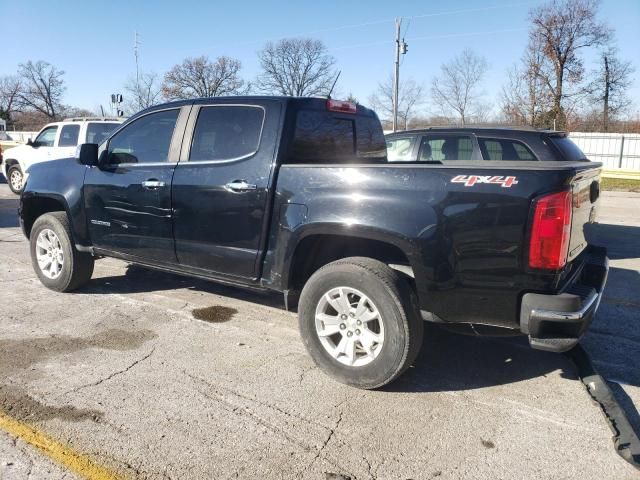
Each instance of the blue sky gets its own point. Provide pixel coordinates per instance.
(92, 41)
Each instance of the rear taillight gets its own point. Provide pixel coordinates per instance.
(550, 231)
(341, 106)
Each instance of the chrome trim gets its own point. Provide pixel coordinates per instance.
(153, 184)
(239, 186)
(578, 315)
(172, 163)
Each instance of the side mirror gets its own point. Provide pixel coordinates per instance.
(30, 142)
(88, 154)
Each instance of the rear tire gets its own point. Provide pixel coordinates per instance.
(56, 261)
(15, 179)
(362, 307)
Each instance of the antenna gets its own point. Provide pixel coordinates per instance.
(334, 84)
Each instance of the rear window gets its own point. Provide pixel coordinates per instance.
(503, 149)
(569, 150)
(329, 138)
(98, 132)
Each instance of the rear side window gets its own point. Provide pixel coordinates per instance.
(569, 150)
(226, 133)
(400, 149)
(98, 132)
(504, 149)
(445, 147)
(69, 136)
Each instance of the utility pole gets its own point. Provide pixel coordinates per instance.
(136, 44)
(396, 77)
(401, 48)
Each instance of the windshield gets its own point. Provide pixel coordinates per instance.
(98, 132)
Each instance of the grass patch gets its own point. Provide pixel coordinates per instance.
(620, 184)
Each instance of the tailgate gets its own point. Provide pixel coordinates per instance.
(585, 187)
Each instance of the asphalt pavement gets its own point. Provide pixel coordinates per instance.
(123, 375)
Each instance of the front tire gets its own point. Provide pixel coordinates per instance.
(56, 261)
(15, 179)
(360, 322)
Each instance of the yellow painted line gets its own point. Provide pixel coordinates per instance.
(56, 451)
(625, 174)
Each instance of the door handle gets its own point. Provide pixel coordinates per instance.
(238, 186)
(152, 184)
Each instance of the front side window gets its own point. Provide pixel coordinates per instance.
(46, 137)
(438, 148)
(98, 132)
(146, 140)
(69, 136)
(226, 133)
(399, 149)
(503, 149)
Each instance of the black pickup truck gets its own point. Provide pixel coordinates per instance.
(296, 195)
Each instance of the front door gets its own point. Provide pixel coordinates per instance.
(221, 185)
(43, 145)
(128, 198)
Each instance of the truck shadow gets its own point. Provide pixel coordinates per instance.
(140, 280)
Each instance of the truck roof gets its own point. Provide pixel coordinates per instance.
(485, 130)
(297, 102)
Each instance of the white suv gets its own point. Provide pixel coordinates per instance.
(56, 140)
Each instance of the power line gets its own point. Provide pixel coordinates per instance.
(431, 37)
(378, 22)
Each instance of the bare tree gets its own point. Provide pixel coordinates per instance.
(610, 83)
(142, 93)
(42, 88)
(410, 96)
(10, 89)
(525, 97)
(200, 77)
(561, 29)
(297, 67)
(458, 86)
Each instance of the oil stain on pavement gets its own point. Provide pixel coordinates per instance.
(214, 314)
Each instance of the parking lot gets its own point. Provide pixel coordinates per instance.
(124, 374)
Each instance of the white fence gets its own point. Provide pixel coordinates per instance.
(21, 137)
(615, 150)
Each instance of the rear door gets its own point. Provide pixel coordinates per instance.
(128, 198)
(67, 140)
(221, 185)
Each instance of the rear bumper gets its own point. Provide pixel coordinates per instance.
(555, 323)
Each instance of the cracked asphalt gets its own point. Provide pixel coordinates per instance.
(125, 373)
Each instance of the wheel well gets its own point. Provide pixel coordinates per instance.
(36, 207)
(316, 251)
(10, 162)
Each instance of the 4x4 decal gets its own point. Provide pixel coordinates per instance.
(471, 180)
